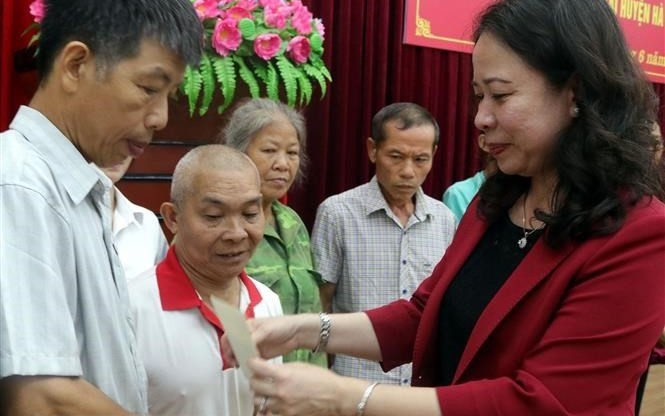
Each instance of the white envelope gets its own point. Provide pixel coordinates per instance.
(236, 329)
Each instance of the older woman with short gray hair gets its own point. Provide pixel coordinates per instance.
(274, 136)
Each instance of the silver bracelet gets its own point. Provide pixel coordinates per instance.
(360, 409)
(324, 333)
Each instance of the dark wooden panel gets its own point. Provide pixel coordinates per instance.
(159, 158)
(146, 193)
(182, 127)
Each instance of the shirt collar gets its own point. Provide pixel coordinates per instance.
(68, 164)
(285, 221)
(375, 201)
(176, 291)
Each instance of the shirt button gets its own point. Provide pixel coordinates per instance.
(404, 291)
(403, 261)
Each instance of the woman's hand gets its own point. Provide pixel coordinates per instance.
(301, 389)
(277, 336)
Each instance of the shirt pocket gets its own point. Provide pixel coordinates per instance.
(306, 282)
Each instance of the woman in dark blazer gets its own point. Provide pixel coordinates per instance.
(551, 295)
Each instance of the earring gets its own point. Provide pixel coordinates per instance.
(575, 112)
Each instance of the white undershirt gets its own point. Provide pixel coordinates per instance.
(137, 236)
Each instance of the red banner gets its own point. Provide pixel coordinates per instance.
(448, 24)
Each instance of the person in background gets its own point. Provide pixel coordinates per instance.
(274, 136)
(546, 303)
(106, 70)
(215, 211)
(137, 236)
(458, 196)
(377, 242)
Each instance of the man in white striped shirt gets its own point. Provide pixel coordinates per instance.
(106, 70)
(375, 243)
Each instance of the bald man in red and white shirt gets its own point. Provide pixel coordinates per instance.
(215, 213)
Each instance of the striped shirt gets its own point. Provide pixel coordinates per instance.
(63, 298)
(360, 245)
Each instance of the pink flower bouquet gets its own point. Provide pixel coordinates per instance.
(271, 45)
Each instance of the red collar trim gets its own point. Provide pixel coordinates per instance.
(253, 292)
(176, 291)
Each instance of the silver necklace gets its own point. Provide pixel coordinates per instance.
(521, 243)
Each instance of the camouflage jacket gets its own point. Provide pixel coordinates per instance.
(283, 262)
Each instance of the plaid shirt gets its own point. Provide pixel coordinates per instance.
(361, 246)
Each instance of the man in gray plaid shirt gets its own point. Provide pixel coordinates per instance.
(375, 243)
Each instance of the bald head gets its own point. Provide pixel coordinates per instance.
(211, 157)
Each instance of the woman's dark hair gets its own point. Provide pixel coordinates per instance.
(604, 158)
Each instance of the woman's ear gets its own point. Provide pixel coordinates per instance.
(169, 213)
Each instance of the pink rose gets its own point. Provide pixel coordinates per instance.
(301, 19)
(267, 45)
(271, 3)
(206, 9)
(247, 4)
(238, 13)
(302, 22)
(299, 49)
(37, 10)
(226, 36)
(276, 16)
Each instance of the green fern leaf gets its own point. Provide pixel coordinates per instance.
(245, 50)
(286, 71)
(208, 78)
(226, 76)
(230, 88)
(33, 39)
(191, 86)
(272, 81)
(31, 27)
(305, 87)
(313, 72)
(260, 68)
(248, 76)
(321, 66)
(325, 72)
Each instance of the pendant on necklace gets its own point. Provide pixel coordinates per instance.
(521, 243)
